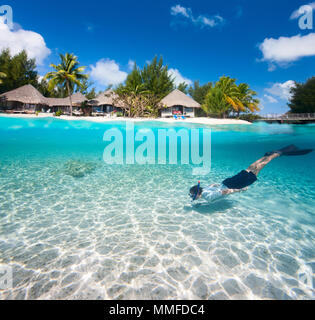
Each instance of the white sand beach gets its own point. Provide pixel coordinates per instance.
(205, 121)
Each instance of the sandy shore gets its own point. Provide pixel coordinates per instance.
(206, 121)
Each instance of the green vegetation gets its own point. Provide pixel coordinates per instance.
(141, 93)
(84, 89)
(225, 97)
(144, 89)
(2, 75)
(58, 113)
(183, 87)
(138, 102)
(215, 103)
(303, 97)
(19, 70)
(198, 92)
(68, 74)
(250, 117)
(153, 78)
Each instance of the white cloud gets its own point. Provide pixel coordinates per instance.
(285, 50)
(107, 72)
(175, 10)
(270, 98)
(18, 40)
(178, 78)
(281, 90)
(201, 21)
(299, 12)
(131, 64)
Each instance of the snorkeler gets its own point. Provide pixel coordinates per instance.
(244, 179)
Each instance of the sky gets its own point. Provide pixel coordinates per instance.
(262, 43)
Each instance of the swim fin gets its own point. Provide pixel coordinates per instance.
(291, 150)
(299, 152)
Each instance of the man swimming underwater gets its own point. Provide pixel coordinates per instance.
(244, 179)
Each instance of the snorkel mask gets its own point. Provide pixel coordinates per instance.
(194, 197)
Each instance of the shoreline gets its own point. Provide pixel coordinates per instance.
(204, 121)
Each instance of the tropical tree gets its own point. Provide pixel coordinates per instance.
(226, 97)
(198, 92)
(84, 89)
(231, 93)
(145, 88)
(19, 70)
(138, 102)
(215, 103)
(183, 87)
(2, 75)
(154, 77)
(67, 74)
(247, 97)
(303, 97)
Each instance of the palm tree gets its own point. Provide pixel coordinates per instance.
(2, 75)
(215, 103)
(68, 74)
(231, 93)
(246, 95)
(136, 100)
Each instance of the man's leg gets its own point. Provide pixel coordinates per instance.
(256, 167)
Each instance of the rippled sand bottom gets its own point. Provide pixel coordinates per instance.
(132, 233)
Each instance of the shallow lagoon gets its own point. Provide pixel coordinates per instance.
(130, 231)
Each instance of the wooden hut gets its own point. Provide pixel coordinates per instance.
(25, 99)
(178, 103)
(105, 103)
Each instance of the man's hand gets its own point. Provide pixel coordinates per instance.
(230, 191)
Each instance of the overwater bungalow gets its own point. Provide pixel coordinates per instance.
(178, 103)
(105, 103)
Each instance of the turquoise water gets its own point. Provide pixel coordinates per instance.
(74, 227)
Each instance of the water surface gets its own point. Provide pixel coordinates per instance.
(130, 232)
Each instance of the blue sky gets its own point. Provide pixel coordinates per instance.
(257, 42)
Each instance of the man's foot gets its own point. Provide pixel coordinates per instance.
(284, 151)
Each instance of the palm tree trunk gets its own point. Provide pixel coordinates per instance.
(69, 93)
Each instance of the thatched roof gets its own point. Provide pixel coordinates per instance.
(104, 98)
(108, 98)
(29, 95)
(77, 99)
(26, 94)
(178, 98)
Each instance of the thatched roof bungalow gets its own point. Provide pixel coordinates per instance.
(24, 99)
(64, 103)
(28, 99)
(105, 102)
(179, 103)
